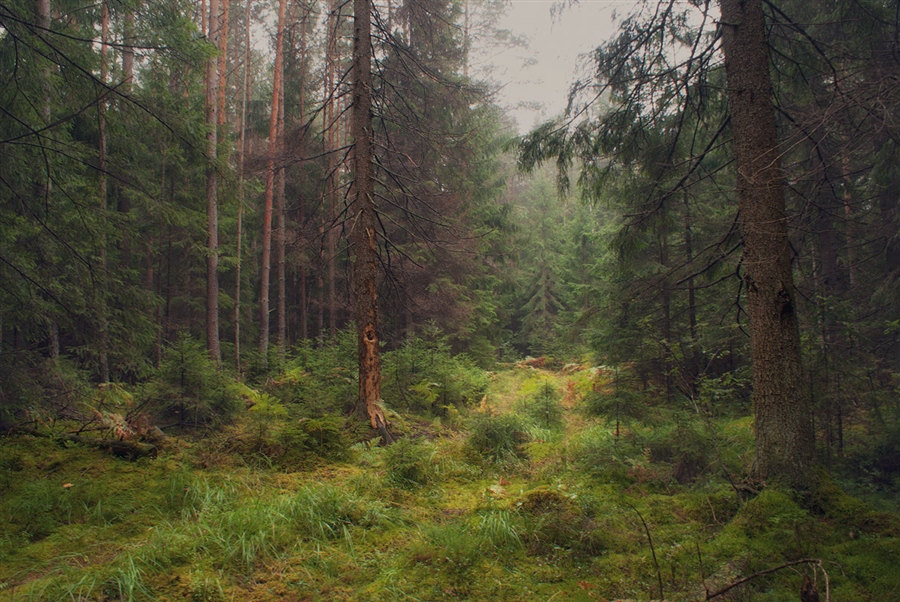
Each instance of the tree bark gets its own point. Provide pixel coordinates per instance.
(245, 92)
(223, 63)
(304, 326)
(270, 192)
(102, 317)
(281, 308)
(365, 267)
(784, 435)
(212, 203)
(332, 139)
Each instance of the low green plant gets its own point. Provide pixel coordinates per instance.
(542, 407)
(685, 447)
(449, 547)
(189, 388)
(319, 380)
(425, 376)
(409, 463)
(607, 455)
(497, 437)
(325, 512)
(497, 530)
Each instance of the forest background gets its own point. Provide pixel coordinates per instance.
(171, 189)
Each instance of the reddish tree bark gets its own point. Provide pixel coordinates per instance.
(245, 92)
(270, 190)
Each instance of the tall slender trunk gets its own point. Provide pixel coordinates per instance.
(467, 37)
(42, 186)
(365, 223)
(245, 91)
(270, 192)
(223, 63)
(124, 200)
(280, 232)
(784, 435)
(667, 310)
(847, 197)
(331, 137)
(694, 353)
(102, 317)
(304, 327)
(212, 202)
(128, 52)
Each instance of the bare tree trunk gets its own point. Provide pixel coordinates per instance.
(281, 311)
(366, 271)
(784, 435)
(128, 52)
(212, 203)
(223, 63)
(667, 311)
(304, 326)
(692, 294)
(270, 192)
(245, 90)
(42, 187)
(848, 213)
(331, 137)
(103, 320)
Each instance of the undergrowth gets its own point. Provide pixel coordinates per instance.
(536, 486)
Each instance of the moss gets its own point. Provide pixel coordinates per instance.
(206, 521)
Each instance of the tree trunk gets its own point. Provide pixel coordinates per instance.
(128, 52)
(281, 310)
(102, 317)
(694, 353)
(212, 203)
(365, 269)
(270, 192)
(784, 435)
(331, 138)
(240, 216)
(223, 63)
(304, 326)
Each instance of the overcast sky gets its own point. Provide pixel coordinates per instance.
(557, 33)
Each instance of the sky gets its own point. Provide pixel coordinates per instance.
(558, 33)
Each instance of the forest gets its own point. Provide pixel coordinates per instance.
(291, 309)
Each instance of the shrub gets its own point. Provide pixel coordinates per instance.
(426, 377)
(449, 546)
(543, 407)
(685, 447)
(408, 463)
(600, 453)
(189, 387)
(554, 522)
(497, 437)
(277, 441)
(319, 380)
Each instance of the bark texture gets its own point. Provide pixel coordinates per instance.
(266, 267)
(784, 435)
(365, 268)
(212, 202)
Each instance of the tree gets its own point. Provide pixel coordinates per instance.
(271, 170)
(365, 223)
(784, 437)
(212, 202)
(659, 100)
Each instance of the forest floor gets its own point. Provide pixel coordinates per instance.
(535, 494)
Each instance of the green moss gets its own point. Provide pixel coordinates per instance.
(213, 520)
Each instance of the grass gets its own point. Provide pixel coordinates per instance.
(535, 499)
